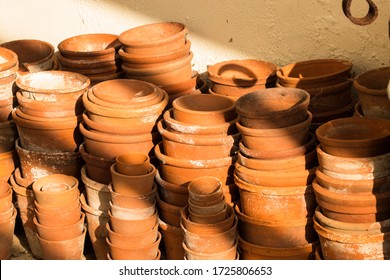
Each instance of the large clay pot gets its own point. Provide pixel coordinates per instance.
(132, 213)
(132, 241)
(169, 213)
(132, 227)
(137, 201)
(172, 236)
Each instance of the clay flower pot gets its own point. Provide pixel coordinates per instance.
(97, 194)
(171, 237)
(67, 218)
(230, 254)
(208, 209)
(371, 88)
(6, 215)
(73, 206)
(154, 38)
(7, 228)
(276, 203)
(9, 134)
(8, 161)
(132, 184)
(243, 73)
(6, 106)
(197, 147)
(133, 201)
(10, 59)
(132, 227)
(56, 189)
(168, 213)
(182, 88)
(133, 164)
(147, 252)
(132, 213)
(132, 241)
(58, 233)
(6, 201)
(211, 217)
(33, 55)
(273, 108)
(355, 137)
(203, 109)
(171, 193)
(205, 189)
(70, 249)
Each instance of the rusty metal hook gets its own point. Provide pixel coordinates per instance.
(369, 18)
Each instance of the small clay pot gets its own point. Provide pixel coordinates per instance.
(132, 184)
(235, 92)
(171, 193)
(147, 252)
(203, 109)
(133, 201)
(133, 164)
(355, 137)
(132, 241)
(9, 134)
(209, 218)
(53, 210)
(208, 209)
(10, 59)
(230, 254)
(132, 213)
(205, 189)
(54, 220)
(182, 88)
(169, 213)
(132, 227)
(171, 237)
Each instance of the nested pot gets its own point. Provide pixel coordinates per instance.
(352, 245)
(7, 228)
(97, 194)
(197, 147)
(6, 106)
(171, 193)
(132, 227)
(276, 234)
(135, 201)
(23, 190)
(9, 135)
(9, 61)
(235, 92)
(53, 219)
(355, 137)
(320, 118)
(171, 237)
(8, 161)
(133, 164)
(204, 109)
(229, 254)
(182, 88)
(205, 189)
(276, 203)
(356, 207)
(132, 241)
(371, 88)
(273, 108)
(169, 213)
(6, 200)
(250, 251)
(132, 213)
(210, 209)
(58, 210)
(5, 215)
(211, 217)
(91, 65)
(182, 171)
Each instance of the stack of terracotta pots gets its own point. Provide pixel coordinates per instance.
(234, 78)
(59, 219)
(208, 222)
(352, 188)
(159, 53)
(33, 55)
(133, 220)
(328, 83)
(371, 87)
(7, 220)
(93, 55)
(275, 168)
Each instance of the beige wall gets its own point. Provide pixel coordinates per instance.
(280, 31)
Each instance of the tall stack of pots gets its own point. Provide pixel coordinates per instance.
(208, 222)
(371, 87)
(58, 217)
(7, 220)
(234, 78)
(159, 53)
(328, 81)
(199, 138)
(133, 219)
(352, 188)
(275, 168)
(93, 55)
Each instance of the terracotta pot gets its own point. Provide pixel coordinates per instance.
(132, 227)
(23, 190)
(276, 139)
(169, 213)
(4, 189)
(6, 201)
(323, 117)
(279, 108)
(7, 228)
(33, 55)
(226, 128)
(133, 201)
(90, 65)
(59, 210)
(171, 193)
(208, 218)
(314, 73)
(154, 38)
(208, 228)
(182, 171)
(369, 186)
(229, 254)
(67, 218)
(10, 59)
(349, 245)
(6, 106)
(89, 46)
(96, 224)
(133, 164)
(132, 213)
(9, 135)
(96, 168)
(204, 189)
(110, 145)
(182, 88)
(132, 241)
(97, 194)
(56, 189)
(8, 163)
(355, 137)
(276, 234)
(174, 96)
(371, 88)
(247, 72)
(203, 109)
(276, 203)
(197, 147)
(358, 208)
(61, 135)
(235, 92)
(249, 251)
(147, 252)
(281, 154)
(58, 233)
(132, 184)
(171, 237)
(6, 215)
(71, 249)
(210, 243)
(358, 110)
(208, 209)
(35, 165)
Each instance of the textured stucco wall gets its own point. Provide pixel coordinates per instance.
(280, 31)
